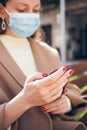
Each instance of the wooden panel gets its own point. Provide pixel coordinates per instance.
(80, 67)
(81, 81)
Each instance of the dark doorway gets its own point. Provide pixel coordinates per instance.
(86, 40)
(83, 44)
(47, 29)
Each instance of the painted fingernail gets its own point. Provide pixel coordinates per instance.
(42, 107)
(71, 72)
(64, 68)
(68, 77)
(44, 75)
(45, 111)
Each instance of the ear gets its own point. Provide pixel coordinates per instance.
(2, 12)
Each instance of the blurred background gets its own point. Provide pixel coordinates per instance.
(64, 23)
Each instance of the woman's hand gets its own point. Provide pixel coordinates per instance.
(39, 91)
(60, 106)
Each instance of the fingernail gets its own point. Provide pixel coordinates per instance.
(71, 72)
(44, 75)
(64, 68)
(68, 77)
(45, 111)
(42, 107)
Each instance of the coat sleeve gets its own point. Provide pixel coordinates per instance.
(74, 94)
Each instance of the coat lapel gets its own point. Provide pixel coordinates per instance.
(43, 59)
(12, 68)
(44, 56)
(10, 65)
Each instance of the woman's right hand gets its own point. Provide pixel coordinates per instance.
(39, 90)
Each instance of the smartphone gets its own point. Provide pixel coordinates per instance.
(68, 68)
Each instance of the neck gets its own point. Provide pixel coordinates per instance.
(9, 32)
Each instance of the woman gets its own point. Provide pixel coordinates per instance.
(25, 103)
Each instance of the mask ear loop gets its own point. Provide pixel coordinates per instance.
(8, 14)
(7, 11)
(3, 24)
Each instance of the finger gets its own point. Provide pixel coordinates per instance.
(56, 75)
(54, 97)
(57, 103)
(58, 88)
(52, 94)
(60, 111)
(63, 80)
(35, 76)
(53, 77)
(61, 102)
(49, 109)
(65, 76)
(69, 73)
(50, 89)
(50, 105)
(55, 86)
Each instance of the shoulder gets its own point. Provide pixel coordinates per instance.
(51, 52)
(47, 48)
(43, 46)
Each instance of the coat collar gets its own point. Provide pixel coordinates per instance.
(10, 65)
(43, 57)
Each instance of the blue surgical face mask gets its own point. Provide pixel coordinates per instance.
(24, 24)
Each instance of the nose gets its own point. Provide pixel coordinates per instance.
(31, 10)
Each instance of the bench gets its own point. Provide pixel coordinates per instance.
(80, 79)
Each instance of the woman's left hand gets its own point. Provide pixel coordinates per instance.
(60, 106)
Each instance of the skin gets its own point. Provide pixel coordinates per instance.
(58, 106)
(19, 6)
(38, 90)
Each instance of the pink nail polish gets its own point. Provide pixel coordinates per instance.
(65, 68)
(68, 77)
(71, 72)
(44, 75)
(45, 111)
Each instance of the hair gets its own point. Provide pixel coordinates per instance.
(3, 2)
(36, 35)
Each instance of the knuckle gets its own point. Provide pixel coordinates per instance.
(56, 103)
(51, 80)
(46, 101)
(37, 88)
(59, 82)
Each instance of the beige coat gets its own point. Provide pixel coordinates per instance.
(11, 83)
